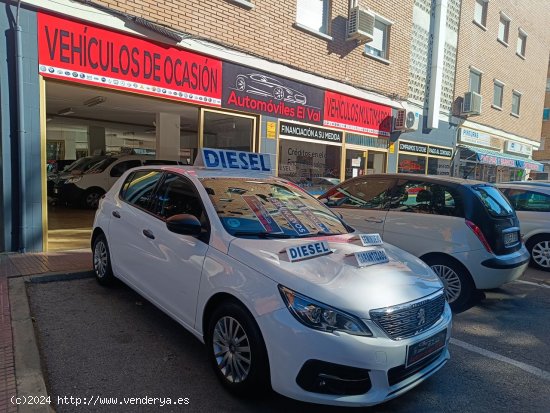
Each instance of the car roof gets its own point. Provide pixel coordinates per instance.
(202, 172)
(439, 178)
(525, 187)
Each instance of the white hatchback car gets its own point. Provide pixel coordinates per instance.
(465, 230)
(531, 200)
(273, 282)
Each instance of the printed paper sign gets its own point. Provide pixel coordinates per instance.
(371, 257)
(292, 219)
(310, 215)
(307, 251)
(261, 213)
(370, 239)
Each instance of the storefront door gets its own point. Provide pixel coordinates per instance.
(361, 162)
(228, 130)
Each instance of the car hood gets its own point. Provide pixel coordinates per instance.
(336, 279)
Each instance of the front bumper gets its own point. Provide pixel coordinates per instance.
(491, 271)
(291, 345)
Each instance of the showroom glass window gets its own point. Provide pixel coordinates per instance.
(312, 166)
(439, 166)
(313, 14)
(139, 186)
(228, 131)
(379, 45)
(411, 164)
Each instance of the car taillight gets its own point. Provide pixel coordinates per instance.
(479, 235)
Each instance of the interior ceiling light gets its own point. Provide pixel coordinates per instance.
(66, 111)
(94, 101)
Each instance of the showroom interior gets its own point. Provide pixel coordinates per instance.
(91, 122)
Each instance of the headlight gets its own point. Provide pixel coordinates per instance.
(73, 180)
(321, 316)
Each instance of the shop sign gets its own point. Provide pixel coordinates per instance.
(530, 165)
(271, 130)
(475, 137)
(310, 132)
(352, 114)
(85, 53)
(440, 151)
(516, 147)
(413, 148)
(251, 90)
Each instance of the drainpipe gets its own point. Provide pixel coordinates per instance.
(20, 132)
(438, 51)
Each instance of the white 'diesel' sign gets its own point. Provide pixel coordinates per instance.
(370, 239)
(371, 257)
(306, 251)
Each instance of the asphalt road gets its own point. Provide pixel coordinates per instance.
(110, 342)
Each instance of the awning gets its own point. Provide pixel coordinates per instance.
(491, 157)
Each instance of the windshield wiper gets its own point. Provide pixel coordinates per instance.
(321, 233)
(261, 234)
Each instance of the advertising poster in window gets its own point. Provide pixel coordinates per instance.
(251, 90)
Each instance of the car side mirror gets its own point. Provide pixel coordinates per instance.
(184, 224)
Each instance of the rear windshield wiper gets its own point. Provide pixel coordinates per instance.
(261, 234)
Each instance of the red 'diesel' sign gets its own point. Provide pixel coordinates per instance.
(84, 53)
(356, 115)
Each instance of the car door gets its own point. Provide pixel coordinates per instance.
(425, 217)
(532, 208)
(170, 264)
(363, 202)
(129, 216)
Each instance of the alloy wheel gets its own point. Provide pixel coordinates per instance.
(100, 259)
(92, 199)
(232, 349)
(541, 253)
(451, 281)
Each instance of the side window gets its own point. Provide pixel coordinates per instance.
(122, 167)
(426, 198)
(362, 193)
(523, 200)
(139, 186)
(176, 195)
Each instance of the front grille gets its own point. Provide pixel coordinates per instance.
(407, 320)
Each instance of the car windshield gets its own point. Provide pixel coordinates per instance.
(83, 164)
(101, 165)
(494, 200)
(269, 208)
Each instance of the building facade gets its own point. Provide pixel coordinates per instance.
(543, 153)
(500, 75)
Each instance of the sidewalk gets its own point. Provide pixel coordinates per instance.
(14, 265)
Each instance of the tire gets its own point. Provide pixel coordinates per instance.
(91, 198)
(249, 374)
(459, 286)
(539, 249)
(240, 83)
(278, 93)
(102, 261)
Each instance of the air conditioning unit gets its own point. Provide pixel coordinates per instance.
(406, 120)
(361, 25)
(471, 104)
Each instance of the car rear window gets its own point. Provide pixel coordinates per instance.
(495, 202)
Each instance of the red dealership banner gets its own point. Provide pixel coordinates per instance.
(356, 115)
(85, 53)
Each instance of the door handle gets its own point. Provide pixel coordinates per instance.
(116, 214)
(148, 233)
(378, 221)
